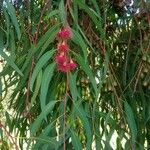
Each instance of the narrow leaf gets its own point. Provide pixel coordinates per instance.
(82, 115)
(73, 87)
(62, 12)
(42, 61)
(88, 71)
(48, 73)
(77, 38)
(131, 121)
(10, 62)
(36, 124)
(37, 88)
(75, 141)
(13, 17)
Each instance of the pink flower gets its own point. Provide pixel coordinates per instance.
(62, 47)
(66, 67)
(65, 33)
(72, 65)
(63, 67)
(61, 58)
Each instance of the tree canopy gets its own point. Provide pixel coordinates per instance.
(74, 74)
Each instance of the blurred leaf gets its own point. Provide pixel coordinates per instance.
(79, 41)
(42, 61)
(131, 121)
(62, 12)
(82, 114)
(88, 71)
(73, 87)
(13, 17)
(75, 141)
(37, 88)
(89, 11)
(37, 123)
(47, 76)
(53, 13)
(10, 62)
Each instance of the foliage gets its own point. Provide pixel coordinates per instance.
(108, 92)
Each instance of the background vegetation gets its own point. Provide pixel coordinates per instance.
(109, 92)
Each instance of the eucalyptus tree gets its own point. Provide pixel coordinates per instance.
(75, 74)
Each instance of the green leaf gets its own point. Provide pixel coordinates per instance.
(1, 134)
(95, 4)
(73, 87)
(42, 61)
(7, 25)
(0, 89)
(43, 43)
(53, 13)
(131, 121)
(46, 39)
(12, 44)
(47, 76)
(75, 11)
(8, 58)
(36, 124)
(42, 138)
(62, 12)
(13, 17)
(89, 11)
(77, 38)
(75, 141)
(8, 121)
(88, 71)
(37, 88)
(82, 115)
(10, 62)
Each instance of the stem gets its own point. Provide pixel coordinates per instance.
(42, 13)
(65, 109)
(9, 136)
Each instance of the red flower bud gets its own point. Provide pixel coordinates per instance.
(72, 65)
(60, 59)
(62, 47)
(65, 33)
(63, 67)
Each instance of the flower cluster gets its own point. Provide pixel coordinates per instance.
(62, 59)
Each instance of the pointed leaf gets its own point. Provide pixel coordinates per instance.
(82, 115)
(42, 61)
(75, 141)
(88, 71)
(131, 121)
(36, 124)
(62, 12)
(13, 17)
(37, 88)
(10, 62)
(47, 76)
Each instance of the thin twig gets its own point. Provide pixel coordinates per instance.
(9, 136)
(42, 13)
(65, 106)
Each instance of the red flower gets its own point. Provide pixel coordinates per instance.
(62, 47)
(61, 58)
(64, 64)
(65, 33)
(72, 65)
(63, 67)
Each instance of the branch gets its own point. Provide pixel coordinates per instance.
(42, 13)
(11, 139)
